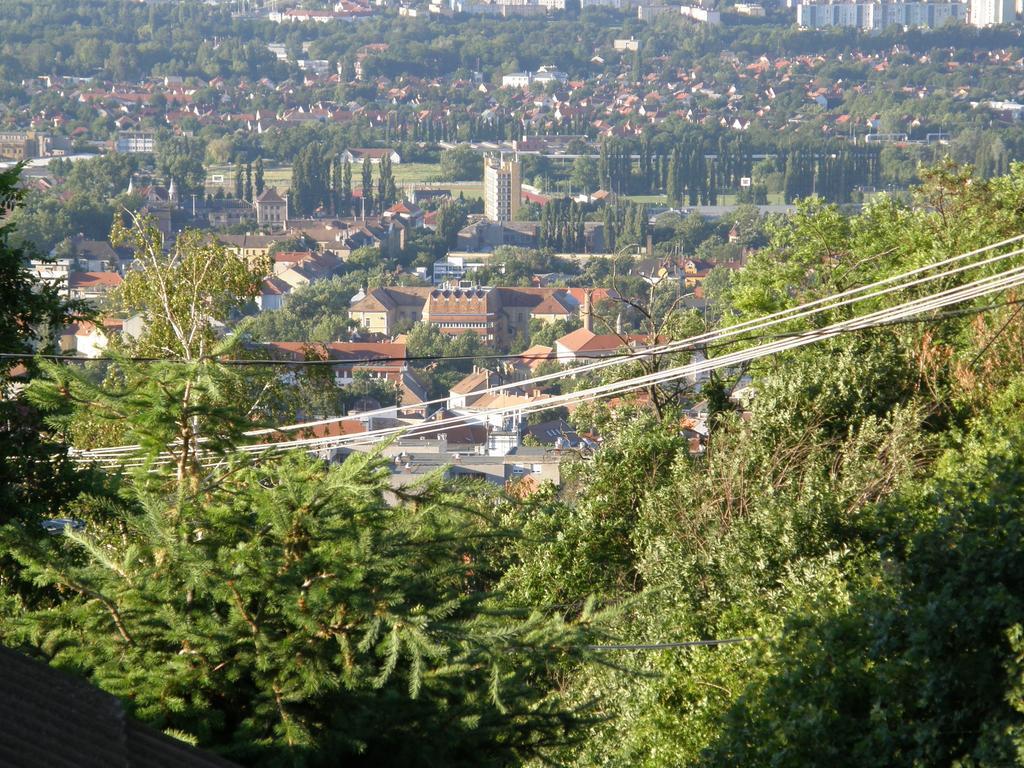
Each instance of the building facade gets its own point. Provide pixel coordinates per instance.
(271, 210)
(18, 145)
(493, 314)
(873, 16)
(987, 13)
(502, 189)
(135, 142)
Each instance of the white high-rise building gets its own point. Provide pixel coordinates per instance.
(502, 189)
(871, 15)
(986, 13)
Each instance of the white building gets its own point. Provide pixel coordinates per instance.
(652, 11)
(135, 142)
(703, 15)
(516, 80)
(987, 13)
(453, 268)
(543, 75)
(502, 189)
(873, 16)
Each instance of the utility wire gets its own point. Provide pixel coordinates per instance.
(983, 286)
(808, 309)
(466, 358)
(772, 319)
(667, 646)
(958, 294)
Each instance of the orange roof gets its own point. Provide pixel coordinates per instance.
(90, 279)
(584, 340)
(596, 294)
(536, 355)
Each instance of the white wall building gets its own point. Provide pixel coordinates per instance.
(703, 15)
(987, 13)
(135, 142)
(502, 189)
(872, 16)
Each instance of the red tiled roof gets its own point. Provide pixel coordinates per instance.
(90, 279)
(584, 340)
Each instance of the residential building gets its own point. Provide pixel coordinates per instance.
(272, 293)
(18, 145)
(649, 12)
(87, 339)
(516, 80)
(92, 286)
(703, 15)
(415, 460)
(873, 16)
(311, 268)
(584, 344)
(381, 360)
(987, 13)
(544, 75)
(494, 314)
(135, 142)
(359, 155)
(502, 189)
(467, 391)
(252, 248)
(453, 268)
(271, 210)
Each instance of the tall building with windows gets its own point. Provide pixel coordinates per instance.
(987, 13)
(502, 189)
(871, 15)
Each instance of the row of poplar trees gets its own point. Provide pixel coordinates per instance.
(249, 180)
(322, 182)
(694, 173)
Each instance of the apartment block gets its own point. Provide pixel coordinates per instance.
(873, 16)
(502, 189)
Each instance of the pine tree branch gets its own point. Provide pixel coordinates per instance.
(107, 603)
(241, 608)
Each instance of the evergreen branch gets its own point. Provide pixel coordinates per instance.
(107, 603)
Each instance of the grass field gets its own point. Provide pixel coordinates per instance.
(410, 174)
(724, 198)
(406, 174)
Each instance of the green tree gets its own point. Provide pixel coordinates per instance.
(584, 174)
(461, 163)
(346, 189)
(943, 615)
(451, 218)
(180, 158)
(248, 182)
(35, 476)
(367, 187)
(258, 181)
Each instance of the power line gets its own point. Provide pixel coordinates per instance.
(808, 309)
(644, 353)
(620, 387)
(983, 286)
(667, 646)
(768, 320)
